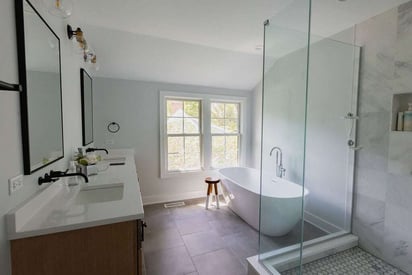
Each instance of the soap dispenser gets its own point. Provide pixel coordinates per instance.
(72, 167)
(407, 118)
(72, 181)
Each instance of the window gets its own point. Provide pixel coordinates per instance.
(225, 134)
(183, 135)
(200, 132)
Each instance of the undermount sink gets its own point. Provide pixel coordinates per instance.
(100, 193)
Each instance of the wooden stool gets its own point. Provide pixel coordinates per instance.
(210, 183)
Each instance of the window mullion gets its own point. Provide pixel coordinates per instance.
(225, 149)
(207, 142)
(184, 151)
(223, 135)
(183, 135)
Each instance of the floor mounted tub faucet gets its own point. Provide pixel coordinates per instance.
(280, 171)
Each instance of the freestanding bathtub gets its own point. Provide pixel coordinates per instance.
(281, 199)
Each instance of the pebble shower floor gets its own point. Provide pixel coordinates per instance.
(354, 261)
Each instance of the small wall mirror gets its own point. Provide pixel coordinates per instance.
(41, 96)
(87, 106)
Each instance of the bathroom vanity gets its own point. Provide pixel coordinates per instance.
(91, 228)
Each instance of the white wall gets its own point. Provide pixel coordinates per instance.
(11, 160)
(256, 138)
(135, 106)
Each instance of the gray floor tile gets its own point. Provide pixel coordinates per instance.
(216, 240)
(161, 239)
(202, 242)
(311, 232)
(243, 244)
(155, 209)
(188, 212)
(218, 214)
(194, 225)
(251, 237)
(172, 261)
(160, 222)
(229, 225)
(267, 244)
(221, 262)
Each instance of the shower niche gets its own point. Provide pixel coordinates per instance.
(400, 146)
(399, 106)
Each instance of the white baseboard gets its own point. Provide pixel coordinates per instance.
(161, 198)
(321, 223)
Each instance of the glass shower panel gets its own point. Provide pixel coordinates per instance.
(284, 94)
(330, 128)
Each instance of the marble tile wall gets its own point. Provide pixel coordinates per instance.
(382, 214)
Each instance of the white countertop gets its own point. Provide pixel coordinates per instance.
(55, 209)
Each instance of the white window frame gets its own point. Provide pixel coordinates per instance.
(238, 134)
(184, 135)
(205, 131)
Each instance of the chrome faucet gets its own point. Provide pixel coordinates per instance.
(280, 171)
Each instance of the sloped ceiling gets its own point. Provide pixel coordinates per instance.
(203, 42)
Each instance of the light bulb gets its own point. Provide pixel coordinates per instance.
(95, 66)
(59, 8)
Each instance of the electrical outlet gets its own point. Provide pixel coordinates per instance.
(15, 183)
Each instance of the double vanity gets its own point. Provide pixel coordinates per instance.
(70, 227)
(89, 228)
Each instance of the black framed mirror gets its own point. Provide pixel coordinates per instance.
(41, 96)
(87, 106)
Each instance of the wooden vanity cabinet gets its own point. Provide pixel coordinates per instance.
(113, 249)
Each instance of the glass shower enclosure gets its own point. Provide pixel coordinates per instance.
(309, 106)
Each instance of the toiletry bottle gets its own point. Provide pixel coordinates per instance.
(72, 181)
(72, 167)
(399, 125)
(407, 118)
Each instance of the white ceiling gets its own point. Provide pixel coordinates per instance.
(203, 42)
(234, 25)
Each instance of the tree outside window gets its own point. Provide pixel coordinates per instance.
(199, 131)
(183, 135)
(225, 132)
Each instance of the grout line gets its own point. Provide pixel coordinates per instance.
(224, 246)
(191, 258)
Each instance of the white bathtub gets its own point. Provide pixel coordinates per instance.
(281, 200)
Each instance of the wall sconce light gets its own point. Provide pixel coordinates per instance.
(89, 55)
(59, 8)
(78, 34)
